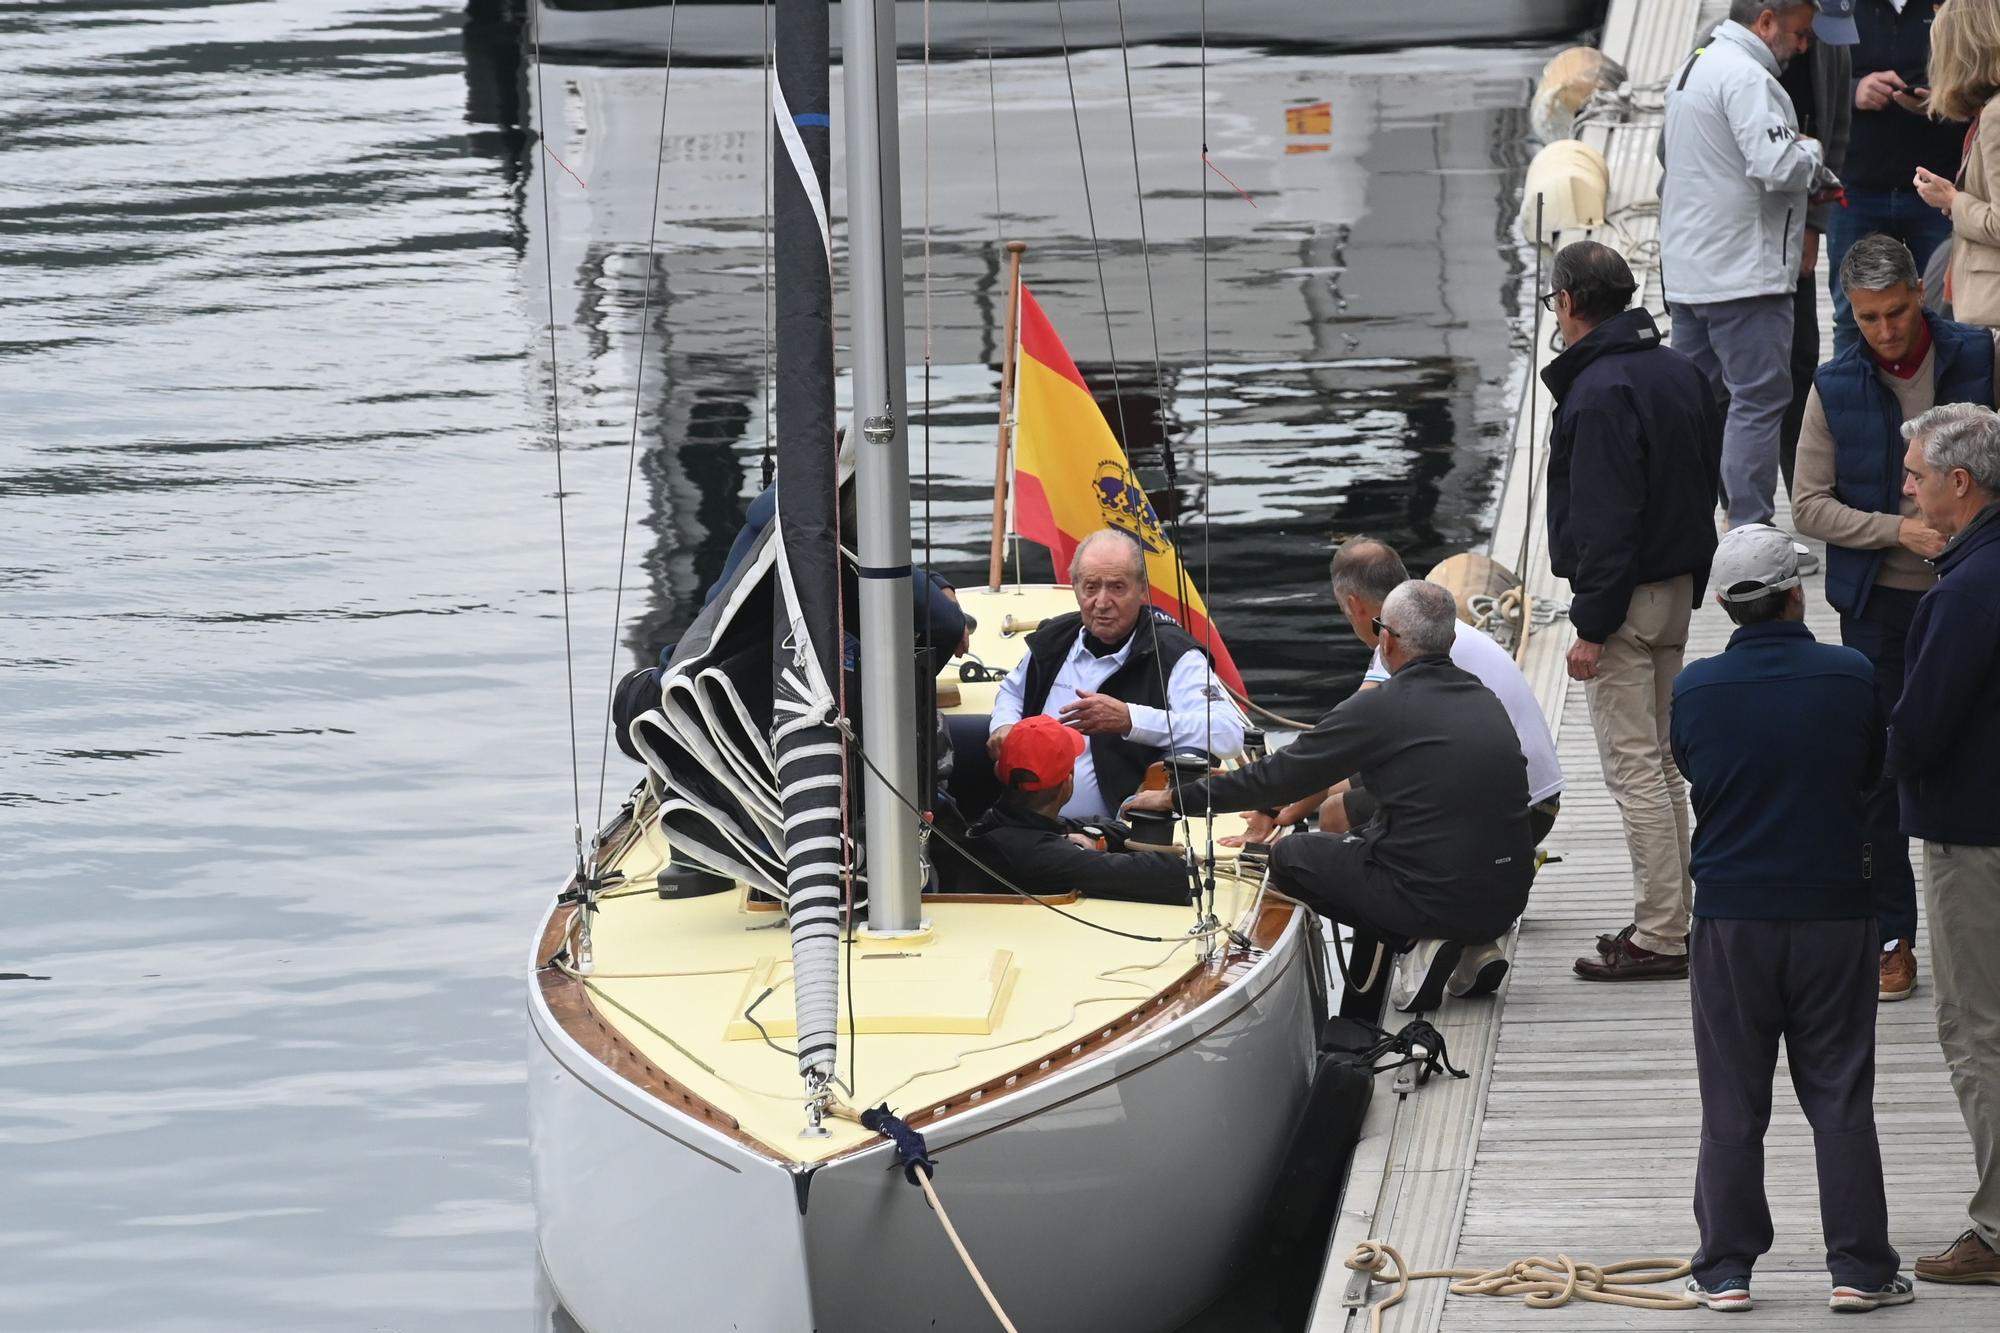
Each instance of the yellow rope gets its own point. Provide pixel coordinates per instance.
(1539, 1282)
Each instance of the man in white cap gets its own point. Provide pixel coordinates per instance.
(1780, 737)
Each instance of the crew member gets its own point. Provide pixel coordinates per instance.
(1135, 683)
(1026, 840)
(1451, 856)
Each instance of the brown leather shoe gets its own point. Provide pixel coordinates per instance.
(1969, 1259)
(1899, 973)
(1631, 963)
(1609, 944)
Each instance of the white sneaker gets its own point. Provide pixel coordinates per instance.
(1480, 970)
(1417, 985)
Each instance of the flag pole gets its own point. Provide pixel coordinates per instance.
(1003, 446)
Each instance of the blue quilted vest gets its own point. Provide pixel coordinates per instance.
(1868, 441)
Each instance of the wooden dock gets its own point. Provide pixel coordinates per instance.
(1578, 1130)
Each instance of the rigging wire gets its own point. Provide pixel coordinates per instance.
(555, 409)
(1207, 427)
(638, 403)
(1111, 347)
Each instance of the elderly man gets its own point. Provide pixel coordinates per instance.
(1943, 738)
(1450, 859)
(1632, 468)
(1850, 495)
(1732, 230)
(1129, 678)
(1779, 737)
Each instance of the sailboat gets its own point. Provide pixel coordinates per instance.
(1106, 1089)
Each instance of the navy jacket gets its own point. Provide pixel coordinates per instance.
(1867, 425)
(1780, 735)
(1635, 456)
(1944, 737)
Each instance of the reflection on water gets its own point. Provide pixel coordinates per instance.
(285, 777)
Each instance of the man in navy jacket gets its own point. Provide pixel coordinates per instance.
(1633, 459)
(1944, 751)
(1780, 737)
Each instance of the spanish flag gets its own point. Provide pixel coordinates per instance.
(1071, 478)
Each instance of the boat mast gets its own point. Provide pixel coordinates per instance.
(882, 465)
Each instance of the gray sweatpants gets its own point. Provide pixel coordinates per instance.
(1745, 349)
(1813, 984)
(1962, 895)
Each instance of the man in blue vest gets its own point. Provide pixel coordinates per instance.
(1878, 550)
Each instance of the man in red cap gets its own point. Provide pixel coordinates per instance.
(1025, 839)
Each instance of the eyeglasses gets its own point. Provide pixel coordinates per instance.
(1381, 629)
(1548, 300)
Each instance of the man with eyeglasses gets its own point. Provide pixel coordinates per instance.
(1634, 455)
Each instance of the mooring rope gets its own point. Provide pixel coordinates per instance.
(1539, 1282)
(917, 1169)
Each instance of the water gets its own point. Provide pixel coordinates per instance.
(285, 775)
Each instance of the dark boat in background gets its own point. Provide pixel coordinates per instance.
(731, 30)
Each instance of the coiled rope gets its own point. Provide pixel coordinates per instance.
(1539, 1282)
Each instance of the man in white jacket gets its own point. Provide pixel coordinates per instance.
(1732, 220)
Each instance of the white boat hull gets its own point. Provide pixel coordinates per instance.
(1117, 1193)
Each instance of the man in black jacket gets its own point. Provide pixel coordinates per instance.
(1634, 457)
(1025, 838)
(1450, 855)
(1943, 739)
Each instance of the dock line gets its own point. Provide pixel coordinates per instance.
(1539, 1282)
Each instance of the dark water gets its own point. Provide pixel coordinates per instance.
(284, 774)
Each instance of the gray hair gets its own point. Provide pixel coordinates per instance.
(1746, 12)
(1597, 278)
(1368, 568)
(1961, 435)
(1126, 543)
(1876, 263)
(1424, 616)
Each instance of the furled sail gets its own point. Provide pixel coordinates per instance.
(746, 740)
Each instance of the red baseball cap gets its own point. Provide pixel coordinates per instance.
(1043, 747)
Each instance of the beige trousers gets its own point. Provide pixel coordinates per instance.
(1962, 895)
(1630, 699)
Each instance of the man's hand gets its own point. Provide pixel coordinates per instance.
(1088, 844)
(1097, 715)
(994, 741)
(1935, 190)
(1918, 539)
(1258, 827)
(1917, 101)
(1874, 92)
(1149, 803)
(1809, 255)
(1583, 657)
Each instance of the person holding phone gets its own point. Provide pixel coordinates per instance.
(1893, 136)
(1965, 83)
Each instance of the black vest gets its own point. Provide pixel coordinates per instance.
(1157, 644)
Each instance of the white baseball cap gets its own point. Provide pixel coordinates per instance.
(1752, 561)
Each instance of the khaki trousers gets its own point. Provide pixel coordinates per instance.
(1630, 699)
(1962, 894)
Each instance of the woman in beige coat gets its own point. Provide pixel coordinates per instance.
(1965, 85)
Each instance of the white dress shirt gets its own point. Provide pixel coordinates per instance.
(1200, 714)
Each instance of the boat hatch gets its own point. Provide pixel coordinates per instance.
(895, 990)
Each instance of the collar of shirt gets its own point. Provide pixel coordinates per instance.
(1908, 367)
(1080, 652)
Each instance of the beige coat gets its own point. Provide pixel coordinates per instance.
(1975, 227)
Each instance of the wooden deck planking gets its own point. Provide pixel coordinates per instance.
(1579, 1129)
